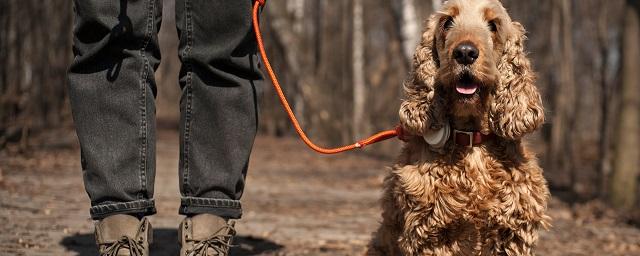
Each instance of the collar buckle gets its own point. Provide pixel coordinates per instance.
(468, 134)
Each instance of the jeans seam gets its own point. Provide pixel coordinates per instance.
(211, 202)
(144, 77)
(189, 91)
(123, 206)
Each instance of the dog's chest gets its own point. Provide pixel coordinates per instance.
(456, 200)
(463, 191)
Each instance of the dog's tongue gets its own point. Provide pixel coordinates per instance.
(467, 89)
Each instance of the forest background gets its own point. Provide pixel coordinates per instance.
(342, 63)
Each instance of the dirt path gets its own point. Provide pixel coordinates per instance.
(296, 203)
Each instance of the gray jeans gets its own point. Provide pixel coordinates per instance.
(112, 92)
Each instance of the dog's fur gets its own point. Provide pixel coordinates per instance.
(489, 199)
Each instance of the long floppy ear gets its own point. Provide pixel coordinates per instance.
(421, 108)
(517, 107)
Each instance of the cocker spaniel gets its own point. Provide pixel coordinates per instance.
(465, 183)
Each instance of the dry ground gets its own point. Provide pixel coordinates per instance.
(296, 203)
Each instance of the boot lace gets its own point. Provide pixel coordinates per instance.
(136, 248)
(218, 243)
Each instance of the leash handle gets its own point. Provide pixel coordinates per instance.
(381, 136)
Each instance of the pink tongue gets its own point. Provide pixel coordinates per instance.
(467, 90)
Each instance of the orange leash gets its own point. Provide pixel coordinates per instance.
(384, 135)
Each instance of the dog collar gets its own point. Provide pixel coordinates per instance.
(470, 139)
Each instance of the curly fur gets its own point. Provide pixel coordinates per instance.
(484, 200)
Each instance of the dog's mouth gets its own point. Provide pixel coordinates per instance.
(467, 85)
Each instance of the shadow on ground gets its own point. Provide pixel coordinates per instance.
(165, 243)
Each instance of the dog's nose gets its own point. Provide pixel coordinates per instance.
(466, 53)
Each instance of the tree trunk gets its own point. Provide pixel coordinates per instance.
(359, 87)
(564, 102)
(35, 39)
(607, 17)
(436, 4)
(409, 28)
(627, 153)
(166, 76)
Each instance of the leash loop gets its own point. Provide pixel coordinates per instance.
(384, 135)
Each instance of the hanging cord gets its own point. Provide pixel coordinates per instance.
(384, 135)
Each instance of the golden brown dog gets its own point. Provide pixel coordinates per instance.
(482, 192)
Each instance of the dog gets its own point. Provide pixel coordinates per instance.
(465, 182)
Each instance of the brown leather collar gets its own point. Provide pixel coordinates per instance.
(470, 139)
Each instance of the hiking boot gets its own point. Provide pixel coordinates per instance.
(206, 235)
(120, 235)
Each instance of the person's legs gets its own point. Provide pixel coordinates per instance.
(221, 83)
(112, 93)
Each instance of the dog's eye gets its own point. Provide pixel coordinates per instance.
(493, 26)
(448, 23)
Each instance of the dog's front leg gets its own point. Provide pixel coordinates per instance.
(517, 242)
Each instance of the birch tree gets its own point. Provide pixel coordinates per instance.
(436, 4)
(410, 29)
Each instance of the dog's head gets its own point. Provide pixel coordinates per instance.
(472, 62)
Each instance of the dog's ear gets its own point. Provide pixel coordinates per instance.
(420, 110)
(517, 108)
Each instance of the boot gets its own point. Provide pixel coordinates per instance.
(123, 235)
(206, 235)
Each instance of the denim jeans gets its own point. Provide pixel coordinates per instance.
(112, 92)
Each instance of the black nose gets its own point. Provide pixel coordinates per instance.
(466, 53)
